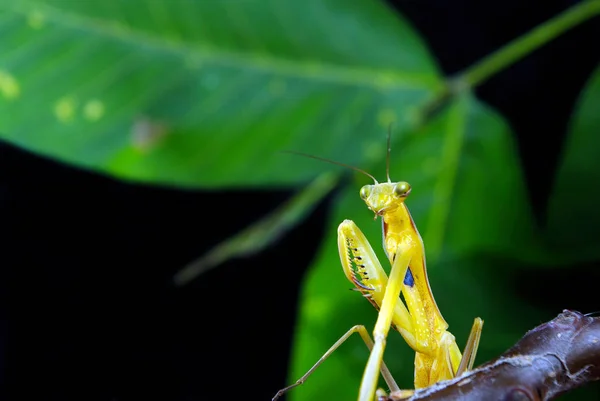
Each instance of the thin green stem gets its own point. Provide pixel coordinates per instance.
(515, 50)
(507, 55)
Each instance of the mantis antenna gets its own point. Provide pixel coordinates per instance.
(333, 162)
(389, 151)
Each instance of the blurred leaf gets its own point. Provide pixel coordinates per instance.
(194, 92)
(573, 217)
(262, 233)
(468, 188)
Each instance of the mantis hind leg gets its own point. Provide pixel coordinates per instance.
(360, 329)
(468, 357)
(447, 362)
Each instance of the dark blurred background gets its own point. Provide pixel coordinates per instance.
(88, 311)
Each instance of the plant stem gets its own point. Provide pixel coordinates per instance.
(507, 55)
(515, 50)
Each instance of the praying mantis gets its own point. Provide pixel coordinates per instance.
(418, 318)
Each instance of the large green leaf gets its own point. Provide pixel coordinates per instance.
(573, 219)
(468, 194)
(194, 92)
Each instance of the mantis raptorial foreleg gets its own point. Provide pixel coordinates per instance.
(384, 320)
(364, 334)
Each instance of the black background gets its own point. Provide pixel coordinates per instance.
(87, 311)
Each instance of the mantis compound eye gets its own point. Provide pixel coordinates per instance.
(402, 189)
(365, 191)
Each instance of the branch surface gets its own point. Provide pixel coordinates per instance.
(553, 358)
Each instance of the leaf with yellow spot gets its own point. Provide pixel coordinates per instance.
(243, 78)
(64, 109)
(9, 87)
(93, 110)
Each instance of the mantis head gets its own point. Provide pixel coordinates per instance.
(384, 197)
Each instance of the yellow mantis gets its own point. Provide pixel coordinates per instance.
(418, 318)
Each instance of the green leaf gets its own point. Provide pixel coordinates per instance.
(468, 194)
(193, 92)
(573, 218)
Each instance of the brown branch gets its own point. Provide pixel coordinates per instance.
(549, 360)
